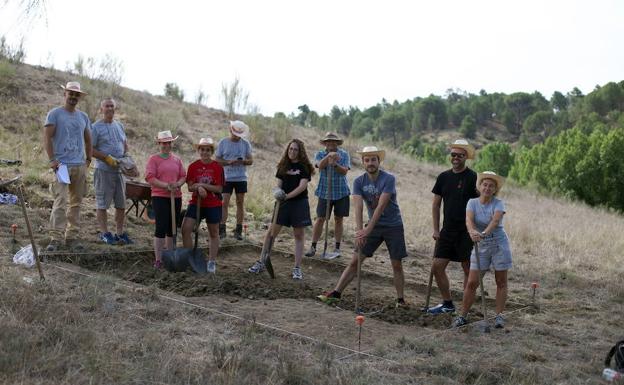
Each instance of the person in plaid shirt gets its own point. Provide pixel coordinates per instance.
(336, 161)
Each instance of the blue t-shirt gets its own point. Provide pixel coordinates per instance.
(340, 185)
(68, 139)
(483, 213)
(371, 191)
(227, 149)
(108, 138)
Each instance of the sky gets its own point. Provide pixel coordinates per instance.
(342, 52)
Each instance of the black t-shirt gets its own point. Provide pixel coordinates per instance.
(456, 189)
(290, 181)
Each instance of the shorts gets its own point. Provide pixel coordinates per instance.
(239, 187)
(392, 236)
(211, 214)
(454, 245)
(162, 215)
(340, 207)
(493, 252)
(294, 213)
(109, 187)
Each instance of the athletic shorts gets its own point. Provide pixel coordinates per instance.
(211, 214)
(393, 237)
(453, 245)
(238, 187)
(493, 252)
(294, 213)
(162, 215)
(340, 207)
(109, 187)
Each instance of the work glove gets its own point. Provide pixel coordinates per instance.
(279, 194)
(109, 160)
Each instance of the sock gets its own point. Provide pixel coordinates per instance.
(401, 300)
(337, 245)
(314, 245)
(448, 303)
(239, 227)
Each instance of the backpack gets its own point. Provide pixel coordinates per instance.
(618, 351)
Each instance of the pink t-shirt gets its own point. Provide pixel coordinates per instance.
(165, 170)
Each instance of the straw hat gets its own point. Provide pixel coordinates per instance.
(500, 181)
(165, 136)
(73, 86)
(330, 136)
(464, 145)
(239, 128)
(373, 150)
(204, 142)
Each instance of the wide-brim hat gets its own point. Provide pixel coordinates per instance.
(165, 136)
(464, 145)
(239, 128)
(204, 142)
(500, 181)
(73, 86)
(330, 136)
(372, 150)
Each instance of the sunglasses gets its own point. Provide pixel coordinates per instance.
(457, 155)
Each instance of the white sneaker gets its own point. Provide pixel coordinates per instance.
(257, 267)
(212, 267)
(296, 273)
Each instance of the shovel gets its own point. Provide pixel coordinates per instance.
(265, 255)
(175, 260)
(325, 254)
(196, 257)
(358, 286)
(426, 308)
(483, 325)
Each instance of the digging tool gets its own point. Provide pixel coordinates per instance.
(196, 257)
(30, 233)
(358, 254)
(173, 260)
(325, 254)
(429, 285)
(265, 255)
(483, 325)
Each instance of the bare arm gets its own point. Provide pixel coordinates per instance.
(48, 144)
(303, 184)
(496, 219)
(435, 215)
(88, 147)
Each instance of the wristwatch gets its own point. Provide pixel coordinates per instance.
(483, 234)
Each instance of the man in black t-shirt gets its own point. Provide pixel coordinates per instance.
(454, 187)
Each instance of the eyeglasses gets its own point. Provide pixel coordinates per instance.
(457, 155)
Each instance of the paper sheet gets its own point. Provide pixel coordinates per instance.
(62, 174)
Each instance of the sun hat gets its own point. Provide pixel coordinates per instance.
(73, 86)
(330, 136)
(204, 142)
(500, 181)
(372, 150)
(239, 128)
(165, 136)
(464, 145)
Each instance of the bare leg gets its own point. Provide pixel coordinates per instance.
(102, 218)
(168, 243)
(501, 290)
(317, 229)
(120, 216)
(399, 278)
(188, 224)
(470, 291)
(466, 267)
(213, 230)
(338, 228)
(240, 208)
(439, 272)
(158, 248)
(348, 274)
(225, 206)
(299, 234)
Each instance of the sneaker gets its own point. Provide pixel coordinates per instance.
(124, 239)
(499, 321)
(441, 308)
(221, 230)
(212, 267)
(158, 265)
(297, 274)
(336, 253)
(311, 252)
(53, 246)
(328, 297)
(257, 267)
(238, 235)
(459, 322)
(107, 238)
(401, 304)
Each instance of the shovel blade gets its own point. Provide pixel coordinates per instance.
(483, 326)
(198, 262)
(176, 260)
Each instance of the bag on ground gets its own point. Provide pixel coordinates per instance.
(24, 256)
(616, 351)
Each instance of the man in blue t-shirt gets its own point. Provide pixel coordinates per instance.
(109, 145)
(334, 163)
(234, 154)
(377, 189)
(67, 142)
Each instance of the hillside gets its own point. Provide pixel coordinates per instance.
(107, 317)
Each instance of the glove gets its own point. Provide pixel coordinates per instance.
(109, 160)
(279, 194)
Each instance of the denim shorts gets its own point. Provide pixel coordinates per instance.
(493, 252)
(211, 214)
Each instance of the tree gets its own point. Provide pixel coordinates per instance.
(234, 97)
(392, 125)
(558, 101)
(468, 127)
(174, 92)
(497, 157)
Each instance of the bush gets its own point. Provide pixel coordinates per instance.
(497, 157)
(174, 92)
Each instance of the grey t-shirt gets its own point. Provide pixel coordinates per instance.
(483, 213)
(108, 138)
(68, 140)
(371, 191)
(227, 149)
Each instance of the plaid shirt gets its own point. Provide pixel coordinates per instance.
(340, 186)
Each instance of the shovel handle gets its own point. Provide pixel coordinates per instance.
(197, 216)
(358, 254)
(30, 233)
(328, 168)
(174, 232)
(484, 308)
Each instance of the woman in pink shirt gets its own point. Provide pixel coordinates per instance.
(165, 173)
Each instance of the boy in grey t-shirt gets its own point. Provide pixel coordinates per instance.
(234, 154)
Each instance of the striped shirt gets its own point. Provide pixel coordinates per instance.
(339, 183)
